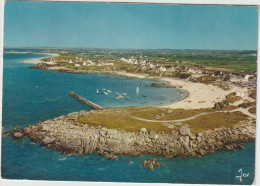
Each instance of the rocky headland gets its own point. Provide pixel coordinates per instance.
(65, 135)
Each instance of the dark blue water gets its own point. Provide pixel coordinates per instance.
(32, 95)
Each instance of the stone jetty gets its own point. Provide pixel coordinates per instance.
(85, 101)
(65, 135)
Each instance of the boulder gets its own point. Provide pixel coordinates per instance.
(154, 136)
(172, 145)
(229, 147)
(127, 139)
(220, 105)
(202, 152)
(45, 127)
(143, 130)
(192, 136)
(102, 140)
(27, 130)
(241, 146)
(80, 150)
(18, 134)
(102, 133)
(112, 143)
(76, 143)
(48, 140)
(145, 163)
(114, 157)
(184, 130)
(90, 147)
(198, 139)
(113, 133)
(150, 166)
(139, 141)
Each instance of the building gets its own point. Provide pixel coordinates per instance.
(162, 68)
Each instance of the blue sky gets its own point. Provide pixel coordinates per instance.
(111, 25)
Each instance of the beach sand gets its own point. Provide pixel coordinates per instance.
(38, 60)
(200, 95)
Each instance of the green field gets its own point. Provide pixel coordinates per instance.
(239, 61)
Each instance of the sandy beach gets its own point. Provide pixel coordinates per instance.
(200, 95)
(38, 60)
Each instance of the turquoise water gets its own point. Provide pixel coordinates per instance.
(35, 95)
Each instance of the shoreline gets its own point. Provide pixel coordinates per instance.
(65, 135)
(37, 60)
(199, 95)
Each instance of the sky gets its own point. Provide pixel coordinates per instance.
(131, 26)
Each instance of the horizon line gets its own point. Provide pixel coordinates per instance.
(44, 47)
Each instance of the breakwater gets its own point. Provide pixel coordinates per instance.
(64, 134)
(85, 101)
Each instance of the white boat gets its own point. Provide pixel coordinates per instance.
(105, 93)
(109, 91)
(119, 96)
(97, 91)
(124, 94)
(137, 90)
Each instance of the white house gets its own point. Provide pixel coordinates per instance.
(70, 61)
(151, 65)
(84, 63)
(77, 65)
(111, 64)
(162, 68)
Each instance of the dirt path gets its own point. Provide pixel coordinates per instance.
(244, 111)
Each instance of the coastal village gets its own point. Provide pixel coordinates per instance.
(148, 92)
(191, 71)
(218, 113)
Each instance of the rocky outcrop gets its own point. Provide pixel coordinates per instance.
(64, 134)
(151, 164)
(220, 105)
(41, 66)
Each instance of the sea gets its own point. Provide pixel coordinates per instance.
(33, 95)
